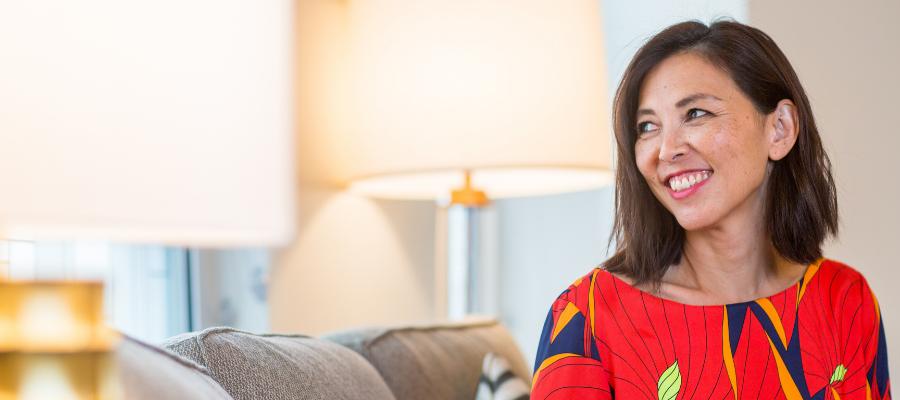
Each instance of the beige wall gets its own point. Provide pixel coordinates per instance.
(848, 57)
(355, 261)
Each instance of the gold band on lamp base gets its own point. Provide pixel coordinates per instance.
(54, 344)
(469, 197)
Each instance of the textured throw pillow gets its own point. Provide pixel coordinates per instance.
(498, 382)
(281, 367)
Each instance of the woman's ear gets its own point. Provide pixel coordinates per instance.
(782, 128)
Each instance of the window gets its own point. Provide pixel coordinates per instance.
(153, 292)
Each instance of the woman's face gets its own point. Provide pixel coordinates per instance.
(701, 146)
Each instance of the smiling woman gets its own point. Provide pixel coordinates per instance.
(718, 288)
(718, 89)
(710, 128)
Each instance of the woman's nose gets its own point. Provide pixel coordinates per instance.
(673, 146)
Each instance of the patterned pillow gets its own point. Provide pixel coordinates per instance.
(498, 382)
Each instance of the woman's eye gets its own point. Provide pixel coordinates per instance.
(644, 127)
(695, 113)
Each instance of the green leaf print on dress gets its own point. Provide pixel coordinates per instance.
(838, 374)
(669, 383)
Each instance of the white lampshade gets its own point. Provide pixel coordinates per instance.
(162, 122)
(512, 90)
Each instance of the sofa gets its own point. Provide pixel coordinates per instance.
(425, 361)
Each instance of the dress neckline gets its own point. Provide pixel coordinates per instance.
(812, 268)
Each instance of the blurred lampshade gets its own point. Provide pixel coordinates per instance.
(162, 122)
(512, 90)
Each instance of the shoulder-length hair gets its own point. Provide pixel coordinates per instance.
(802, 204)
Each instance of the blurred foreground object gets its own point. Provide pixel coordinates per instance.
(163, 122)
(54, 344)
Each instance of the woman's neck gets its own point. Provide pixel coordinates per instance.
(729, 264)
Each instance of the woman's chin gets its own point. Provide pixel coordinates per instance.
(693, 223)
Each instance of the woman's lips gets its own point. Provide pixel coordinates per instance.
(685, 184)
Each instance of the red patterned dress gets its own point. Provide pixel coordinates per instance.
(820, 339)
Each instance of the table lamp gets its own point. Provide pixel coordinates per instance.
(165, 122)
(469, 100)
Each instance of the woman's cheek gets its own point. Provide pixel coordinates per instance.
(646, 152)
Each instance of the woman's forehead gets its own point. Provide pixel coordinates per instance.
(681, 76)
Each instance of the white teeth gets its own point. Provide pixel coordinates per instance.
(687, 182)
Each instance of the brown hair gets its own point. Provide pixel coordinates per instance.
(802, 204)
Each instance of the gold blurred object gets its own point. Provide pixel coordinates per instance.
(54, 344)
(59, 376)
(468, 196)
(53, 317)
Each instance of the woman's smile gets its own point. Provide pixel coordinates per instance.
(685, 183)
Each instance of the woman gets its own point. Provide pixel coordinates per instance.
(718, 288)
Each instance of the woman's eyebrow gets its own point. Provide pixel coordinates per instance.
(694, 97)
(645, 111)
(681, 103)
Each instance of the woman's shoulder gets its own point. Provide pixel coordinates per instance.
(587, 292)
(835, 269)
(834, 285)
(833, 277)
(575, 298)
(598, 278)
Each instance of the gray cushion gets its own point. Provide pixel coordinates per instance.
(150, 373)
(434, 362)
(278, 367)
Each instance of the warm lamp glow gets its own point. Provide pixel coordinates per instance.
(513, 90)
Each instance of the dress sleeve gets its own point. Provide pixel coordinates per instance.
(876, 358)
(565, 367)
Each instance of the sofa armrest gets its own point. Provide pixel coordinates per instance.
(150, 373)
